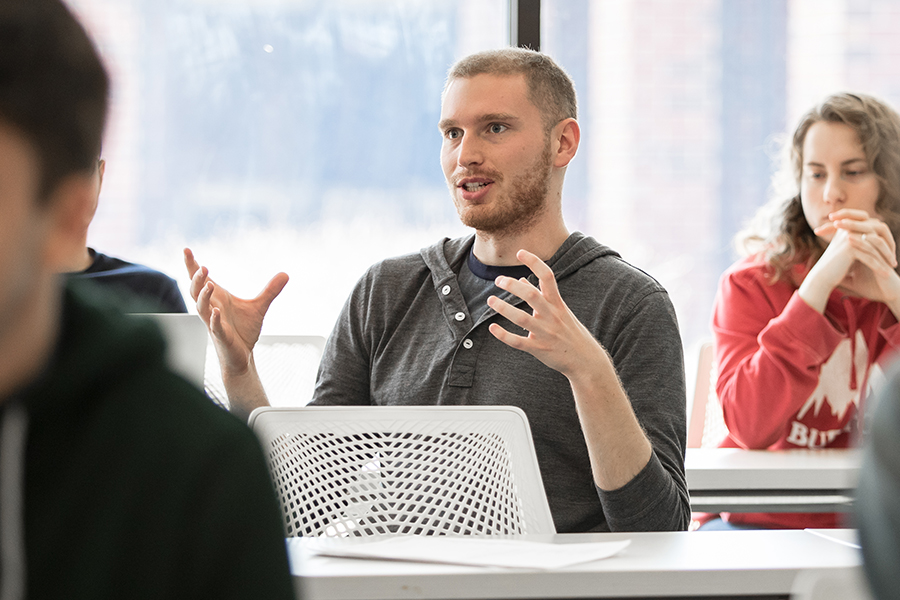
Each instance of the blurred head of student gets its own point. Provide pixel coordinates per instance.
(53, 103)
(844, 153)
(97, 183)
(502, 111)
(78, 257)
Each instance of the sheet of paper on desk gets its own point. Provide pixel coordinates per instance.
(473, 551)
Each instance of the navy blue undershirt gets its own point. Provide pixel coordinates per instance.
(489, 272)
(136, 287)
(476, 282)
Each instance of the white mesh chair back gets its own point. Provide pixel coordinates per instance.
(287, 366)
(426, 470)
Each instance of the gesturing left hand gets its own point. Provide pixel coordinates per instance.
(616, 443)
(555, 335)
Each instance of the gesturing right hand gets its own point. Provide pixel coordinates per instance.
(234, 323)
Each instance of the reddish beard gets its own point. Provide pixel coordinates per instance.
(517, 210)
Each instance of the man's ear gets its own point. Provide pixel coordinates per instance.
(567, 135)
(67, 208)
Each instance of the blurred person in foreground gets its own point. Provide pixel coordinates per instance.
(800, 322)
(118, 479)
(877, 503)
(521, 312)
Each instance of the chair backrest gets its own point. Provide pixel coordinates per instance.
(427, 470)
(287, 366)
(707, 425)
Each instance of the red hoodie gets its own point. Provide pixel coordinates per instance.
(785, 374)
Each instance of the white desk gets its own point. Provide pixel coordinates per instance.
(656, 565)
(730, 480)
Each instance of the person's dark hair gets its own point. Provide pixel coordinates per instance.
(549, 87)
(780, 230)
(53, 87)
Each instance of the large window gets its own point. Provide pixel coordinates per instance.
(301, 136)
(682, 108)
(270, 135)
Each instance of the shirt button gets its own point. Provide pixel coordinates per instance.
(445, 290)
(460, 316)
(467, 344)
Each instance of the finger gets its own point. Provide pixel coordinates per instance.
(520, 288)
(517, 316)
(199, 281)
(878, 244)
(190, 262)
(510, 339)
(544, 273)
(885, 233)
(870, 234)
(854, 214)
(825, 229)
(215, 325)
(271, 291)
(867, 257)
(204, 304)
(868, 227)
(856, 226)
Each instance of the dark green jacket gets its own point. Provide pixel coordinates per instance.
(135, 484)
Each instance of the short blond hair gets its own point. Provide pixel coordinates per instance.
(550, 88)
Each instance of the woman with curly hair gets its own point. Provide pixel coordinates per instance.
(800, 321)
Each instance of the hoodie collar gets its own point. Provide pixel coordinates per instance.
(445, 258)
(97, 345)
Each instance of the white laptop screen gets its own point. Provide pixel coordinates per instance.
(186, 339)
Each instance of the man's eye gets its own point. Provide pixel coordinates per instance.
(452, 134)
(497, 128)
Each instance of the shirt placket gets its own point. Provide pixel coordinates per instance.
(469, 336)
(465, 333)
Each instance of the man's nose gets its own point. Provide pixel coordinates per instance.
(470, 151)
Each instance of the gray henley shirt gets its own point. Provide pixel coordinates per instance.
(405, 336)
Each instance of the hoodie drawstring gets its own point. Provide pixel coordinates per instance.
(13, 434)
